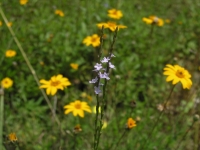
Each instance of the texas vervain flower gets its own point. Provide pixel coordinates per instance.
(153, 20)
(55, 83)
(101, 69)
(178, 74)
(59, 12)
(111, 25)
(10, 53)
(77, 108)
(93, 40)
(115, 14)
(7, 83)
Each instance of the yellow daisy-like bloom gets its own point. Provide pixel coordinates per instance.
(115, 14)
(111, 25)
(10, 53)
(74, 66)
(12, 137)
(7, 83)
(23, 2)
(77, 108)
(93, 40)
(9, 24)
(178, 74)
(60, 13)
(55, 83)
(153, 20)
(1, 23)
(130, 123)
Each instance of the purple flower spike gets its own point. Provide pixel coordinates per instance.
(97, 67)
(93, 80)
(97, 90)
(104, 75)
(111, 65)
(105, 60)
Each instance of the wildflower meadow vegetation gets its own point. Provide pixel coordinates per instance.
(99, 75)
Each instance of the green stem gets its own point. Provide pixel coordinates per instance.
(28, 64)
(183, 137)
(158, 119)
(116, 145)
(1, 117)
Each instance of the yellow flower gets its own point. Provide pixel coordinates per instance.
(130, 123)
(77, 108)
(105, 124)
(153, 20)
(1, 23)
(9, 24)
(12, 137)
(94, 109)
(74, 66)
(178, 74)
(77, 129)
(55, 83)
(93, 40)
(10, 53)
(23, 2)
(6, 83)
(115, 14)
(111, 25)
(167, 21)
(59, 12)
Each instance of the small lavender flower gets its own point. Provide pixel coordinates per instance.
(112, 55)
(98, 67)
(111, 65)
(97, 90)
(105, 60)
(104, 75)
(93, 80)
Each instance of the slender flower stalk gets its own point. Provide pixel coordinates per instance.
(102, 74)
(185, 134)
(28, 64)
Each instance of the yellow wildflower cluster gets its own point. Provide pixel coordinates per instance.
(93, 40)
(6, 83)
(55, 83)
(153, 20)
(23, 2)
(178, 74)
(74, 66)
(10, 53)
(77, 108)
(59, 12)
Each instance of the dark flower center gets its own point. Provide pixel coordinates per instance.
(55, 83)
(180, 73)
(78, 106)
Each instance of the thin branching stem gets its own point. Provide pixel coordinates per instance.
(28, 64)
(158, 119)
(185, 134)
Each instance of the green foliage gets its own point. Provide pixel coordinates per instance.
(52, 42)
